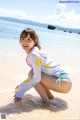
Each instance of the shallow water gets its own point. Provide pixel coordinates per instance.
(61, 46)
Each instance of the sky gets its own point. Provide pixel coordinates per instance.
(56, 12)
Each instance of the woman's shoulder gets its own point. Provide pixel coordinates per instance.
(37, 52)
(34, 51)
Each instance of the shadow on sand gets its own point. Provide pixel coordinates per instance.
(31, 103)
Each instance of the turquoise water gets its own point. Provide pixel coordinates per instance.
(59, 44)
(62, 46)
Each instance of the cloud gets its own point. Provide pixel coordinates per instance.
(16, 14)
(60, 17)
(63, 18)
(60, 8)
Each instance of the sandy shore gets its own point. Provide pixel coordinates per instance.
(13, 69)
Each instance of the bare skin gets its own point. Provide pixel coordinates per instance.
(49, 83)
(44, 92)
(49, 94)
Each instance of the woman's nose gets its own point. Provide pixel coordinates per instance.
(25, 41)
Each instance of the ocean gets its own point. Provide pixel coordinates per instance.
(61, 46)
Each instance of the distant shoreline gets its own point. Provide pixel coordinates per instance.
(51, 27)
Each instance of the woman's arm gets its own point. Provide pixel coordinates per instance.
(36, 65)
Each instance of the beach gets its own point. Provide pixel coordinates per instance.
(64, 107)
(13, 70)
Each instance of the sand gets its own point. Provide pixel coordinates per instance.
(13, 69)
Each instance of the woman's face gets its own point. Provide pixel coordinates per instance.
(27, 44)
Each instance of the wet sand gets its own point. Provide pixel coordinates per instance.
(13, 69)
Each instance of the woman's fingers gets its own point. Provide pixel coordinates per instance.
(16, 99)
(16, 87)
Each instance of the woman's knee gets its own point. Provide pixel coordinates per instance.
(66, 86)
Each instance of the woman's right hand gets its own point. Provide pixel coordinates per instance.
(17, 99)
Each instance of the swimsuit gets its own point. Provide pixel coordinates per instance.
(40, 62)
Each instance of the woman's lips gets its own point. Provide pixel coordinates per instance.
(25, 46)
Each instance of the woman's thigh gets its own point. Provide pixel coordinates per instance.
(50, 82)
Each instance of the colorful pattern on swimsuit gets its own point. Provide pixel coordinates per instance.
(39, 62)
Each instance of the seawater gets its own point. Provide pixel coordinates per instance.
(58, 44)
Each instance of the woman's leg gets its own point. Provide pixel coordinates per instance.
(41, 89)
(49, 94)
(50, 83)
(42, 92)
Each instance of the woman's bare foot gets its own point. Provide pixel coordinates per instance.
(51, 97)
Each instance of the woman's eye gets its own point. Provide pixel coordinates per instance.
(22, 39)
(29, 40)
